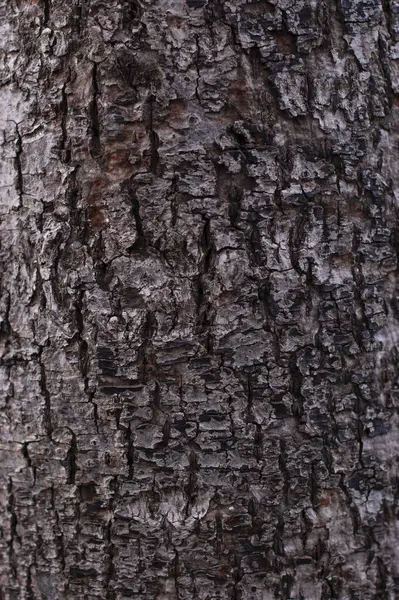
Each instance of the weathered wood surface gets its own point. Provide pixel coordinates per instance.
(199, 299)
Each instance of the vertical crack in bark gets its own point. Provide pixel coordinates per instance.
(30, 594)
(197, 67)
(296, 239)
(205, 267)
(359, 411)
(19, 184)
(278, 543)
(13, 528)
(165, 434)
(5, 325)
(46, 11)
(46, 395)
(353, 509)
(192, 483)
(254, 239)
(236, 576)
(296, 388)
(314, 487)
(282, 463)
(83, 355)
(176, 572)
(154, 138)
(95, 141)
(250, 398)
(387, 10)
(59, 536)
(130, 452)
(71, 464)
(109, 549)
(258, 439)
(147, 333)
(156, 398)
(140, 241)
(235, 197)
(65, 152)
(25, 454)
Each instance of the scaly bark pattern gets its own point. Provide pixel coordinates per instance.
(199, 299)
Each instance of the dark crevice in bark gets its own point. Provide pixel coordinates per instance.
(235, 196)
(78, 17)
(236, 576)
(102, 270)
(47, 421)
(77, 216)
(14, 536)
(296, 239)
(250, 399)
(296, 388)
(30, 594)
(314, 487)
(38, 295)
(192, 483)
(359, 411)
(254, 239)
(130, 452)
(25, 454)
(204, 307)
(83, 354)
(387, 10)
(382, 582)
(55, 249)
(353, 510)
(71, 464)
(110, 550)
(65, 151)
(147, 332)
(282, 463)
(197, 67)
(154, 138)
(140, 242)
(176, 573)
(156, 397)
(310, 91)
(103, 274)
(278, 545)
(326, 452)
(258, 440)
(207, 246)
(132, 11)
(165, 435)
(5, 325)
(19, 184)
(46, 11)
(95, 141)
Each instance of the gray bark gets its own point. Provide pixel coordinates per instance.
(199, 299)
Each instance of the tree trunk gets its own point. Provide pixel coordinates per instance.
(199, 310)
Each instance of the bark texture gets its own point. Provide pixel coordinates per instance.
(199, 299)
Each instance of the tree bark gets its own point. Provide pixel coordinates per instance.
(199, 300)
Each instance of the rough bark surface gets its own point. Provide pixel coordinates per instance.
(199, 299)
